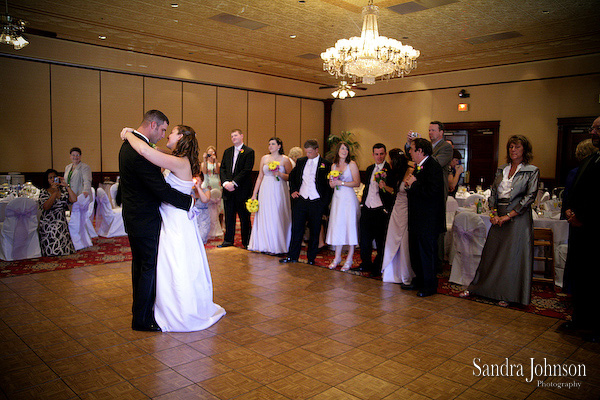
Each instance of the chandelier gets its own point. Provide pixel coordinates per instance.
(343, 90)
(369, 56)
(11, 32)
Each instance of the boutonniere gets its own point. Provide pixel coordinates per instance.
(419, 168)
(241, 151)
(322, 166)
(152, 145)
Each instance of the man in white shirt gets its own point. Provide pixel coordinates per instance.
(311, 195)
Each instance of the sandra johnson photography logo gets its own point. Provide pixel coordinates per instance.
(534, 370)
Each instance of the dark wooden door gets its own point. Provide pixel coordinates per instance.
(480, 149)
(571, 131)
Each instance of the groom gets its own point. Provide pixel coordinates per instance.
(141, 191)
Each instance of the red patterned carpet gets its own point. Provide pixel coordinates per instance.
(544, 300)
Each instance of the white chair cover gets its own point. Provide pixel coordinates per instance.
(113, 195)
(472, 199)
(89, 223)
(559, 264)
(109, 221)
(18, 233)
(77, 224)
(451, 208)
(469, 236)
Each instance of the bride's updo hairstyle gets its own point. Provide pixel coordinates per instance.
(187, 146)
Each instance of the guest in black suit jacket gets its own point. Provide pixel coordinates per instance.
(376, 206)
(311, 195)
(426, 215)
(236, 167)
(141, 191)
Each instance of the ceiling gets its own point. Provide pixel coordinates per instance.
(451, 34)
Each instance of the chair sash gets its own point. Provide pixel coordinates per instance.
(77, 224)
(21, 218)
(469, 238)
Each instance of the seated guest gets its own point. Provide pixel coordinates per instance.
(295, 153)
(78, 175)
(504, 272)
(54, 200)
(456, 170)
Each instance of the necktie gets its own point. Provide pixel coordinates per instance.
(70, 175)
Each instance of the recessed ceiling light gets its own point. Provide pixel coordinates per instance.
(101, 37)
(545, 12)
(292, 36)
(301, 1)
(174, 5)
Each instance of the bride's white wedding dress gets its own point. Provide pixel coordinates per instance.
(396, 258)
(184, 293)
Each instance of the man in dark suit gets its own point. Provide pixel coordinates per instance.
(236, 167)
(426, 215)
(583, 215)
(376, 206)
(141, 191)
(311, 195)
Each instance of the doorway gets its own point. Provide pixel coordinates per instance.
(571, 131)
(478, 144)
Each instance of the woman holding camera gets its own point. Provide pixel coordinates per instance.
(54, 200)
(210, 167)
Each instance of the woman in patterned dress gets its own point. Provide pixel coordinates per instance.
(54, 200)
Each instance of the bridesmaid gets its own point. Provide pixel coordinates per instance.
(344, 214)
(272, 227)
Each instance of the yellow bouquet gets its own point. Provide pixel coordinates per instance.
(274, 166)
(252, 205)
(334, 174)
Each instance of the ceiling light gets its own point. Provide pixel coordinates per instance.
(369, 56)
(344, 90)
(11, 31)
(292, 36)
(174, 5)
(101, 37)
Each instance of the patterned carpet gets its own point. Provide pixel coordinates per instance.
(544, 300)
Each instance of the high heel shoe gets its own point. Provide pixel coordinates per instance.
(347, 266)
(503, 303)
(465, 294)
(334, 264)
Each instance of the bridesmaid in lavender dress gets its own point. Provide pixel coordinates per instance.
(272, 227)
(345, 210)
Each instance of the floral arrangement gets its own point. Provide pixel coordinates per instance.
(322, 166)
(252, 205)
(274, 166)
(334, 174)
(380, 175)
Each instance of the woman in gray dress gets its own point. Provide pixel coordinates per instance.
(504, 272)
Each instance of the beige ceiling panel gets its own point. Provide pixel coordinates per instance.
(75, 115)
(25, 131)
(122, 102)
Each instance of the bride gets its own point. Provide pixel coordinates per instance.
(184, 295)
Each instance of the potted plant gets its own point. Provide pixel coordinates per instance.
(333, 140)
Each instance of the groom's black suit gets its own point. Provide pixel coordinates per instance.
(305, 209)
(235, 201)
(426, 220)
(141, 190)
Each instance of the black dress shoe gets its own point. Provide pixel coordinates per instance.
(310, 262)
(426, 293)
(153, 327)
(357, 269)
(568, 326)
(592, 338)
(404, 286)
(287, 260)
(225, 244)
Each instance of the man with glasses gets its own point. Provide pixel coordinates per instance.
(584, 218)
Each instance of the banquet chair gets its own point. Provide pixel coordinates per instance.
(109, 221)
(77, 224)
(19, 232)
(113, 194)
(469, 235)
(472, 199)
(543, 237)
(451, 208)
(89, 223)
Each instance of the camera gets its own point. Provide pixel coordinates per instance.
(414, 135)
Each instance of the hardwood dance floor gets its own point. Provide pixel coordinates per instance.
(291, 332)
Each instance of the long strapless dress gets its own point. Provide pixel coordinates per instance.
(184, 292)
(344, 214)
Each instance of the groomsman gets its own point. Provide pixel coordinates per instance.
(376, 206)
(311, 195)
(426, 215)
(236, 167)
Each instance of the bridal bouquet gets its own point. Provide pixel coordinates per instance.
(252, 205)
(274, 166)
(380, 175)
(334, 174)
